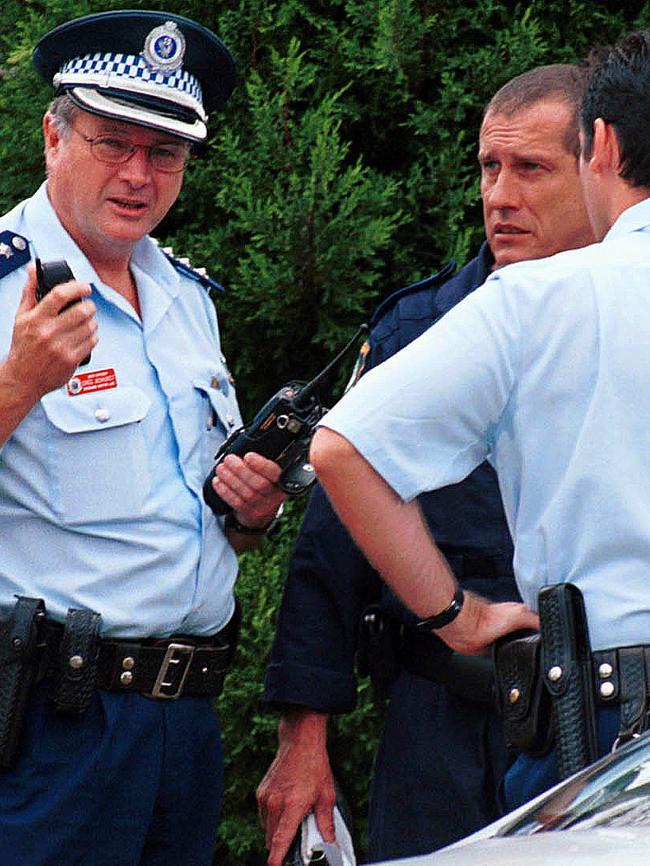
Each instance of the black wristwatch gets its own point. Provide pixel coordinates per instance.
(231, 523)
(445, 616)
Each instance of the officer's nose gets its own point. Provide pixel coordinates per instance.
(137, 170)
(504, 193)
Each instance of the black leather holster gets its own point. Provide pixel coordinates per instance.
(567, 671)
(19, 665)
(545, 684)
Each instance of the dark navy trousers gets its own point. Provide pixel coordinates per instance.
(131, 782)
(439, 766)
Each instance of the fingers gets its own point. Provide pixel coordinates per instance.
(63, 296)
(28, 297)
(284, 815)
(281, 828)
(280, 808)
(324, 813)
(250, 486)
(513, 616)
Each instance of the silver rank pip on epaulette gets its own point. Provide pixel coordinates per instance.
(14, 252)
(183, 266)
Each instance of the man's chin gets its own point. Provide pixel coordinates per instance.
(513, 251)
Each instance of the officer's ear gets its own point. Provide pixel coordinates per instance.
(605, 151)
(51, 140)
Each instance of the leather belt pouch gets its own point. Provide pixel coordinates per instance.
(76, 670)
(566, 665)
(522, 698)
(19, 662)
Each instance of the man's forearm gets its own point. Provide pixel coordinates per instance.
(15, 404)
(396, 539)
(392, 534)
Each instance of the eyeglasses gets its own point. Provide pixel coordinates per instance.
(169, 158)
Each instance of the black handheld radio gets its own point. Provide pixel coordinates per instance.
(49, 275)
(281, 431)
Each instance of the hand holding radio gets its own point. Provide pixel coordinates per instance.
(280, 431)
(49, 275)
(45, 347)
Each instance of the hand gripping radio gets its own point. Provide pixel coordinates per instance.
(281, 431)
(49, 275)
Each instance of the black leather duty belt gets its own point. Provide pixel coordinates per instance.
(468, 677)
(165, 669)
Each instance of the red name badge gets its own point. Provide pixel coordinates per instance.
(87, 383)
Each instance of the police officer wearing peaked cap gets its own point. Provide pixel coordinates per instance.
(102, 463)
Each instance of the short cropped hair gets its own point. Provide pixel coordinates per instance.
(618, 91)
(562, 82)
(63, 111)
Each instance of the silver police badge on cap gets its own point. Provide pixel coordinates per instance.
(164, 48)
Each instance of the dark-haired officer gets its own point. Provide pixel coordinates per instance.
(126, 617)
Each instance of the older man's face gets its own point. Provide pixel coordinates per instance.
(107, 207)
(533, 204)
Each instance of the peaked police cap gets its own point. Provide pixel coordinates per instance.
(155, 69)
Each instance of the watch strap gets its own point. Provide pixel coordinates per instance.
(231, 523)
(445, 616)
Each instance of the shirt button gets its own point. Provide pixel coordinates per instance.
(230, 419)
(102, 415)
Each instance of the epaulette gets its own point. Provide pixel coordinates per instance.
(14, 252)
(184, 267)
(428, 283)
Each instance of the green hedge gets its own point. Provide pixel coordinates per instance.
(343, 167)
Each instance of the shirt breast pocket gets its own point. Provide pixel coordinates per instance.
(221, 417)
(98, 455)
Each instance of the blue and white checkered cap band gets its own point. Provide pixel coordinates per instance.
(131, 74)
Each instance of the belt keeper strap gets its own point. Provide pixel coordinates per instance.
(77, 663)
(632, 674)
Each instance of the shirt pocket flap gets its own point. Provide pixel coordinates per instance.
(86, 412)
(224, 408)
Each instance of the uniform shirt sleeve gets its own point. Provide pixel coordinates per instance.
(429, 415)
(328, 585)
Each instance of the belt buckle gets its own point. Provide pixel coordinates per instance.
(177, 654)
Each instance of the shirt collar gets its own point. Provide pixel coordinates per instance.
(633, 219)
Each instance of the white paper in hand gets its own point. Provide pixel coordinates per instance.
(339, 853)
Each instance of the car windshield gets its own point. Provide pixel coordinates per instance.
(615, 792)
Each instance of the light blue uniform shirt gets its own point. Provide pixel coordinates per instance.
(100, 487)
(544, 371)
